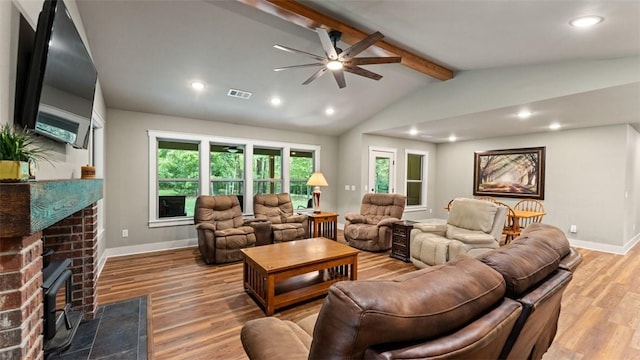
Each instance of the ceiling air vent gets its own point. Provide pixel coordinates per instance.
(239, 94)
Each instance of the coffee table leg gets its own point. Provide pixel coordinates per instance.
(354, 268)
(271, 293)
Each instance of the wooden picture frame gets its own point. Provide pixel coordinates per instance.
(517, 173)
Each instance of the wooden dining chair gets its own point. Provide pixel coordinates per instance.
(488, 198)
(448, 207)
(529, 205)
(511, 229)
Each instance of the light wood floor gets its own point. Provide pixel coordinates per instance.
(196, 311)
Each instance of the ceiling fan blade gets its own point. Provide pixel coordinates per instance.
(362, 72)
(295, 51)
(339, 76)
(326, 43)
(374, 60)
(297, 66)
(360, 46)
(315, 75)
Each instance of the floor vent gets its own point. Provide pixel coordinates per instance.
(239, 94)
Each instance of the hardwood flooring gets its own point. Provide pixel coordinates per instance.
(196, 311)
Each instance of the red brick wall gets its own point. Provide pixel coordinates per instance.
(75, 238)
(21, 307)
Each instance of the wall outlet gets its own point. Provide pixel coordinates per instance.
(573, 229)
(353, 188)
(125, 233)
(346, 187)
(430, 211)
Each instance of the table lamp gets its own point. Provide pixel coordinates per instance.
(316, 180)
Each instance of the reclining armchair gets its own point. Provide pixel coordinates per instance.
(473, 227)
(221, 230)
(278, 209)
(370, 230)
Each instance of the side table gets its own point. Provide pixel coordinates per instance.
(323, 224)
(400, 234)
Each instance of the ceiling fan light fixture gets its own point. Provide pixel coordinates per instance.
(334, 65)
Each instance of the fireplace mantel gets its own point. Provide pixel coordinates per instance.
(29, 207)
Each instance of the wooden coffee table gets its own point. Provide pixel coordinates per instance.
(287, 273)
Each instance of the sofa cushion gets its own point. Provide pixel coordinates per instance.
(472, 214)
(523, 264)
(356, 314)
(259, 337)
(549, 234)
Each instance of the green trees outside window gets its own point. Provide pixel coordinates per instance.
(178, 176)
(267, 171)
(414, 179)
(300, 169)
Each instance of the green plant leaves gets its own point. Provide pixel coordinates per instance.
(19, 144)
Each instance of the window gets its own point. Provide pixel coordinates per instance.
(183, 166)
(416, 175)
(178, 178)
(301, 166)
(267, 171)
(227, 171)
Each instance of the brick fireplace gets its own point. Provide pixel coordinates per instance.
(61, 215)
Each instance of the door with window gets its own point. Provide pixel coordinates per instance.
(382, 171)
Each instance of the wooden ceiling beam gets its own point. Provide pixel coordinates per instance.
(304, 16)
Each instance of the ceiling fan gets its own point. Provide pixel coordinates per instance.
(339, 61)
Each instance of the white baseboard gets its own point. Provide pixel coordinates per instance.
(144, 248)
(614, 249)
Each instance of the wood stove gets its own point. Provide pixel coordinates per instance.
(59, 321)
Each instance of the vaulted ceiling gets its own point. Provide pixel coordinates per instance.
(148, 52)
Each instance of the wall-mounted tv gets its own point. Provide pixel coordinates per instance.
(61, 82)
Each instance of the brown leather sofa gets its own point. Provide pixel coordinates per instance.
(370, 230)
(278, 209)
(502, 304)
(222, 232)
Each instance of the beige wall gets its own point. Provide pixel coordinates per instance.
(128, 171)
(584, 184)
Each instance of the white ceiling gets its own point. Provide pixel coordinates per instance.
(148, 52)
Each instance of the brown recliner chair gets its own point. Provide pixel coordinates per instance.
(278, 209)
(371, 229)
(221, 230)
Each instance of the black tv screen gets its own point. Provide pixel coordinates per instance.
(61, 83)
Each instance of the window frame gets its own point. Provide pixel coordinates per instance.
(425, 165)
(205, 171)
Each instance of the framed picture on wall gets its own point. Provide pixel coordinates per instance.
(515, 173)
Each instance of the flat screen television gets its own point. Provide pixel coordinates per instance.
(61, 81)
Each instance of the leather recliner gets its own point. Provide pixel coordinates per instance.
(473, 227)
(278, 209)
(370, 230)
(503, 304)
(222, 232)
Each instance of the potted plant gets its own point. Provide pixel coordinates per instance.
(17, 149)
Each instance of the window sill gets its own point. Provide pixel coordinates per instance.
(415, 208)
(171, 222)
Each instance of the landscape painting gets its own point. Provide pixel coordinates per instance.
(510, 173)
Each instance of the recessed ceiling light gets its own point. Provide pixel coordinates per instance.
(452, 138)
(554, 126)
(586, 21)
(334, 65)
(275, 101)
(197, 85)
(523, 114)
(413, 132)
(329, 111)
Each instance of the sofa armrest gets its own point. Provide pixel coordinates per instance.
(474, 239)
(387, 221)
(431, 227)
(273, 338)
(249, 222)
(355, 218)
(206, 226)
(296, 218)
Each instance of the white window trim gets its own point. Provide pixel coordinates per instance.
(425, 173)
(205, 177)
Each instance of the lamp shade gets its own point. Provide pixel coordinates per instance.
(317, 179)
